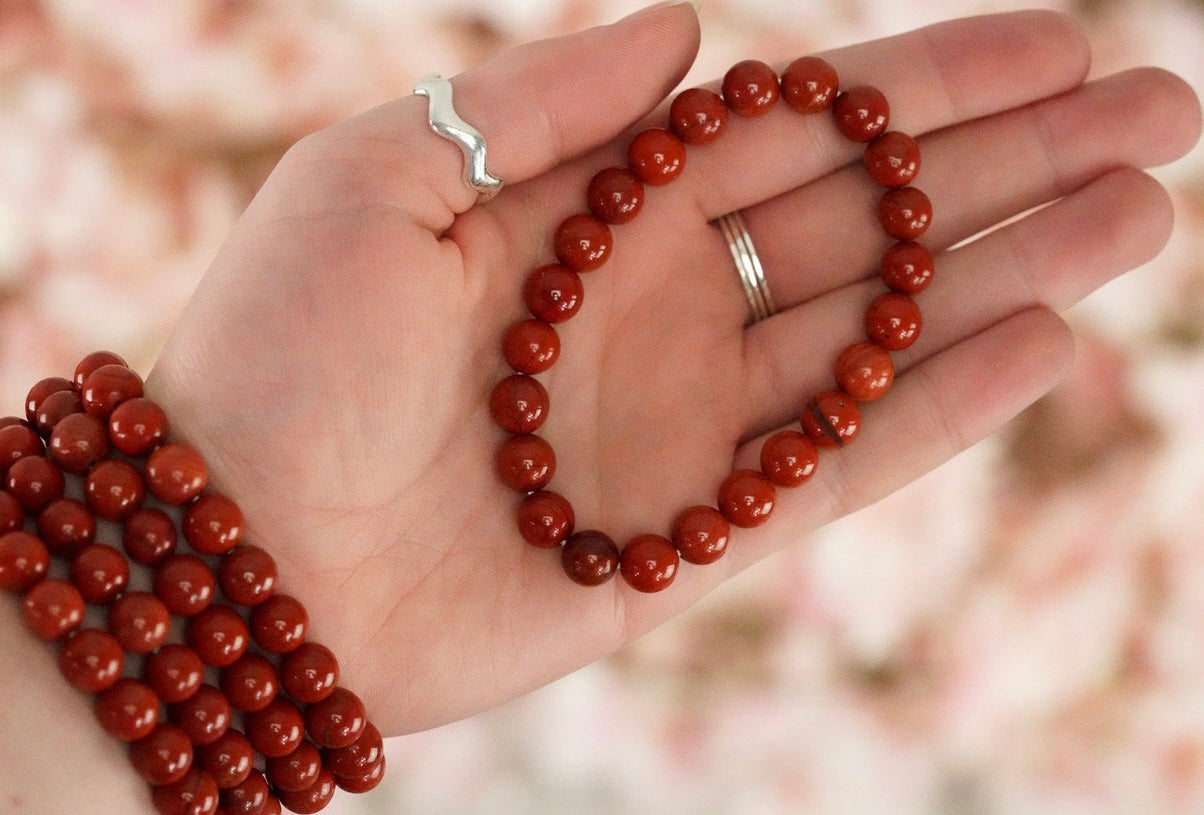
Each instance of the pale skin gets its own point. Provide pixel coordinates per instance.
(334, 364)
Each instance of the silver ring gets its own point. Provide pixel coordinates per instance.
(448, 124)
(748, 265)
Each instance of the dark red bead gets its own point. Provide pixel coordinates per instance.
(750, 88)
(309, 673)
(162, 757)
(656, 156)
(251, 683)
(526, 463)
(590, 557)
(52, 609)
(194, 794)
(174, 672)
(277, 729)
(56, 407)
(91, 362)
(218, 635)
(107, 387)
(213, 524)
(370, 780)
(229, 758)
(149, 536)
(16, 442)
(355, 760)
(247, 575)
(296, 771)
(519, 404)
(113, 489)
(864, 371)
(788, 458)
(78, 441)
(648, 563)
(545, 519)
(892, 159)
(582, 243)
(553, 293)
(279, 623)
(35, 481)
(185, 584)
(137, 426)
(905, 213)
(615, 195)
(91, 660)
(176, 473)
(831, 419)
(129, 710)
(907, 267)
(39, 392)
(66, 526)
(248, 797)
(100, 572)
(24, 561)
(861, 113)
(139, 621)
(746, 498)
(313, 798)
(12, 514)
(336, 721)
(698, 116)
(809, 85)
(701, 534)
(204, 716)
(531, 347)
(893, 321)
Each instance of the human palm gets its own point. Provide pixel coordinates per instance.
(335, 364)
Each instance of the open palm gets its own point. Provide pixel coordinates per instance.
(335, 364)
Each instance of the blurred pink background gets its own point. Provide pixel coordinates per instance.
(1020, 632)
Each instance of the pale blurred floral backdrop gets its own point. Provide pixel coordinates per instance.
(1020, 632)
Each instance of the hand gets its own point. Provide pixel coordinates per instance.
(335, 363)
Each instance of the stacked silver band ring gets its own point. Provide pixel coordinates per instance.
(748, 265)
(447, 123)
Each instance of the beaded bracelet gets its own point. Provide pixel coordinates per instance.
(245, 713)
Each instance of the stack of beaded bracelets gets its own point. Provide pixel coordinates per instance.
(302, 734)
(553, 293)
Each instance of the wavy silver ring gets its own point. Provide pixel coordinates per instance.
(448, 124)
(748, 265)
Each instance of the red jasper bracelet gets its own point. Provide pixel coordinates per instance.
(245, 715)
(553, 293)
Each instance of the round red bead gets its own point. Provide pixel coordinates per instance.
(788, 458)
(309, 673)
(590, 557)
(892, 159)
(56, 407)
(526, 463)
(137, 426)
(194, 794)
(91, 659)
(366, 782)
(41, 391)
(66, 526)
(204, 716)
(336, 721)
(519, 404)
(531, 347)
(864, 371)
(35, 481)
(750, 88)
(250, 683)
(129, 710)
(831, 419)
(615, 195)
(100, 572)
(213, 524)
(185, 584)
(139, 621)
(176, 473)
(698, 116)
(582, 243)
(296, 771)
(700, 534)
(905, 213)
(279, 623)
(247, 575)
(553, 293)
(107, 387)
(251, 796)
(24, 561)
(545, 519)
(861, 113)
(656, 156)
(52, 609)
(218, 635)
(16, 442)
(277, 729)
(746, 498)
(12, 516)
(648, 563)
(907, 267)
(78, 441)
(174, 672)
(91, 362)
(149, 536)
(809, 85)
(313, 798)
(113, 489)
(355, 760)
(164, 756)
(893, 321)
(229, 758)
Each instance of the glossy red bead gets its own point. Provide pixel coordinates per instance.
(788, 458)
(649, 563)
(213, 524)
(12, 515)
(615, 195)
(100, 572)
(164, 756)
(545, 519)
(864, 371)
(78, 441)
(531, 347)
(229, 758)
(746, 498)
(139, 621)
(251, 683)
(370, 780)
(107, 387)
(218, 635)
(52, 609)
(519, 404)
(809, 85)
(247, 575)
(905, 213)
(16, 442)
(892, 159)
(91, 362)
(831, 419)
(553, 293)
(24, 561)
(750, 88)
(176, 473)
(700, 534)
(698, 116)
(526, 463)
(313, 798)
(893, 321)
(194, 794)
(277, 729)
(91, 659)
(336, 721)
(137, 426)
(34, 481)
(296, 771)
(113, 489)
(861, 113)
(907, 267)
(56, 407)
(148, 536)
(66, 526)
(174, 672)
(279, 623)
(204, 716)
(656, 156)
(357, 759)
(309, 673)
(249, 797)
(589, 557)
(582, 243)
(185, 584)
(39, 393)
(129, 710)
